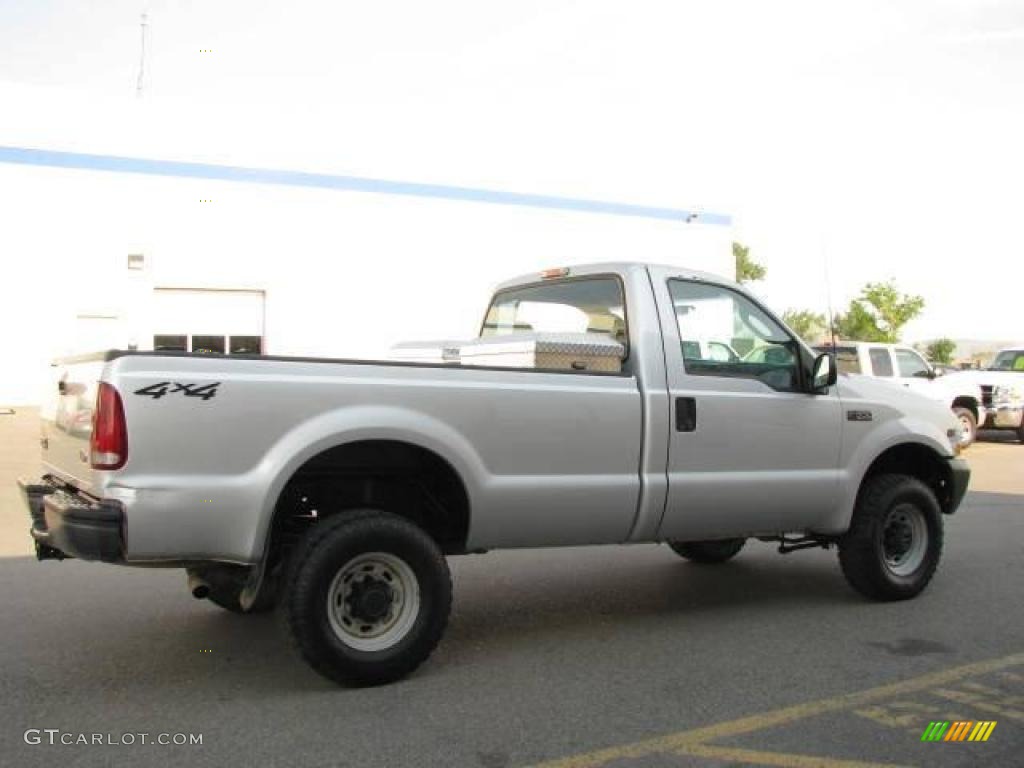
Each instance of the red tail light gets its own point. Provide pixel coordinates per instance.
(108, 446)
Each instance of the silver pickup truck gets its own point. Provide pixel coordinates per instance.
(336, 488)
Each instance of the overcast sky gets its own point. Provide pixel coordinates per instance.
(885, 134)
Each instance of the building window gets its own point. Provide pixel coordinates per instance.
(208, 344)
(169, 342)
(246, 345)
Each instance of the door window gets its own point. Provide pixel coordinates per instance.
(881, 363)
(723, 333)
(911, 364)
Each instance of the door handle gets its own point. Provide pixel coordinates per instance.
(686, 414)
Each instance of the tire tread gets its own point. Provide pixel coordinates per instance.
(301, 580)
(857, 556)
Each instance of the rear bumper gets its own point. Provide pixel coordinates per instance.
(66, 523)
(961, 479)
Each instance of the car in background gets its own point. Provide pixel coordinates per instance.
(905, 366)
(1002, 391)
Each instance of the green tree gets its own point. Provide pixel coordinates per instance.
(891, 309)
(857, 324)
(941, 351)
(747, 270)
(809, 326)
(878, 314)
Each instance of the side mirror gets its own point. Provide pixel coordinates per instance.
(823, 374)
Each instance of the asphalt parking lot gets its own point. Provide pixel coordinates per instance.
(584, 657)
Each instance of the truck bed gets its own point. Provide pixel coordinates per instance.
(212, 439)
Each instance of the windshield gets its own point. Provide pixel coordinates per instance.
(591, 305)
(1009, 360)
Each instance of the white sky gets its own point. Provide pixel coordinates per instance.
(888, 133)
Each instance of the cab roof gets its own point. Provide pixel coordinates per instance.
(624, 268)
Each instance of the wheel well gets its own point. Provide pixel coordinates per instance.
(921, 462)
(393, 476)
(969, 403)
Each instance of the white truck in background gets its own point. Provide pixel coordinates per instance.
(1002, 390)
(905, 367)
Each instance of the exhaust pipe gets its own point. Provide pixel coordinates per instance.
(198, 586)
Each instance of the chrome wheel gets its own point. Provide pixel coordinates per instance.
(373, 601)
(966, 429)
(904, 539)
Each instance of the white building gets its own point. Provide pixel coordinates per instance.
(105, 251)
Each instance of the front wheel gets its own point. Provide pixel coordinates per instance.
(708, 551)
(968, 426)
(369, 597)
(895, 539)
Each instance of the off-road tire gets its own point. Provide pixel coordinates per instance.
(329, 548)
(708, 552)
(862, 550)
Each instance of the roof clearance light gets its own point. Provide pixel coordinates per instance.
(547, 274)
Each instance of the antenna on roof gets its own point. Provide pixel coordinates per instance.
(142, 57)
(828, 296)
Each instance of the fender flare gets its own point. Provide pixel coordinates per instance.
(355, 424)
(903, 431)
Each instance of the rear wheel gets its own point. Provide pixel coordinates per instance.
(895, 539)
(968, 426)
(708, 551)
(369, 597)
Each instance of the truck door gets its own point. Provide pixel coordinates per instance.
(749, 450)
(914, 373)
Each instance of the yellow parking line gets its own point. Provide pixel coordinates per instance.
(683, 740)
(978, 702)
(757, 757)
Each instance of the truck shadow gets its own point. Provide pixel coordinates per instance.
(133, 630)
(116, 629)
(509, 605)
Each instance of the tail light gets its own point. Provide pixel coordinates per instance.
(108, 445)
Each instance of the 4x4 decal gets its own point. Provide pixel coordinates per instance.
(158, 390)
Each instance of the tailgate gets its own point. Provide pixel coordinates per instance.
(66, 419)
